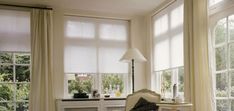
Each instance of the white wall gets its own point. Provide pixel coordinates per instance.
(138, 40)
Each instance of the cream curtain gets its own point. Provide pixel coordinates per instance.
(41, 95)
(198, 80)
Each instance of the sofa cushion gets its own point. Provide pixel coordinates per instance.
(144, 105)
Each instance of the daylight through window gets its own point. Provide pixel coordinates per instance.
(93, 47)
(168, 54)
(224, 63)
(14, 60)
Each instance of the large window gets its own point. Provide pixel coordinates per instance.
(93, 47)
(14, 60)
(168, 49)
(223, 44)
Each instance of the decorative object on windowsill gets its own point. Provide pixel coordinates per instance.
(80, 94)
(133, 55)
(174, 91)
(107, 95)
(95, 93)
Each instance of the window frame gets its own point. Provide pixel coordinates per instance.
(97, 85)
(14, 82)
(216, 13)
(228, 70)
(156, 81)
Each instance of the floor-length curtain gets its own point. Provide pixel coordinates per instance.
(198, 79)
(41, 95)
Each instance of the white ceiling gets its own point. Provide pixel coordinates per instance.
(124, 7)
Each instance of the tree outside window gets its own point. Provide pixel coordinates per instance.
(14, 81)
(224, 60)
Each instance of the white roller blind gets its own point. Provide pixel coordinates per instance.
(14, 30)
(168, 37)
(109, 60)
(80, 59)
(95, 45)
(114, 30)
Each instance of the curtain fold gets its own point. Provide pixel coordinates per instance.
(198, 79)
(41, 88)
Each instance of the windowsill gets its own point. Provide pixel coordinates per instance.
(93, 99)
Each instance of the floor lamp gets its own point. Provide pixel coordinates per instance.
(131, 56)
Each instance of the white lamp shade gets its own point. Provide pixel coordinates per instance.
(134, 54)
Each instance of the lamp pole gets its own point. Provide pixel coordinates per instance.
(132, 75)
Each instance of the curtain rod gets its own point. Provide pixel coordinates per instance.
(24, 6)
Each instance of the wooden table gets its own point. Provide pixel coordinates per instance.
(172, 106)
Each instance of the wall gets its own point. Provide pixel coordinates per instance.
(137, 40)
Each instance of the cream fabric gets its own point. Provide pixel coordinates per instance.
(198, 80)
(41, 95)
(149, 95)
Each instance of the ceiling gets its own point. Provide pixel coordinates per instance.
(124, 7)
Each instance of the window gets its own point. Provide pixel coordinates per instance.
(14, 60)
(224, 63)
(93, 47)
(168, 49)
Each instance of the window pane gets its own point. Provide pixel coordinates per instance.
(231, 27)
(109, 60)
(161, 25)
(6, 58)
(6, 73)
(22, 73)
(112, 31)
(232, 83)
(22, 58)
(5, 106)
(112, 84)
(220, 56)
(162, 55)
(80, 82)
(80, 59)
(166, 83)
(177, 17)
(14, 30)
(221, 85)
(181, 79)
(231, 56)
(176, 50)
(6, 92)
(80, 29)
(22, 106)
(22, 92)
(221, 31)
(222, 105)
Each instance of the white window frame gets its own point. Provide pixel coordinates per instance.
(216, 13)
(98, 76)
(226, 44)
(15, 101)
(156, 81)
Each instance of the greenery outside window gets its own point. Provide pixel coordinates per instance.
(223, 44)
(169, 77)
(113, 84)
(14, 81)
